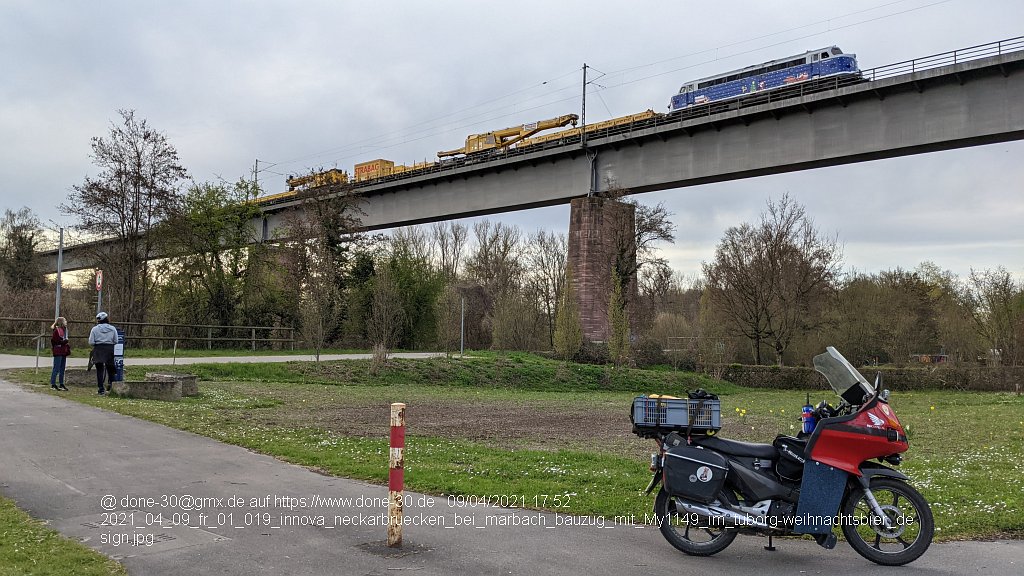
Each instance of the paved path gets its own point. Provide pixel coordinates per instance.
(59, 460)
(46, 361)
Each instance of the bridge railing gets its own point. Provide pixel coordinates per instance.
(706, 110)
(24, 332)
(946, 58)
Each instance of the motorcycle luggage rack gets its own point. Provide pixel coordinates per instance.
(656, 416)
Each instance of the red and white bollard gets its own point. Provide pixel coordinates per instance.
(396, 475)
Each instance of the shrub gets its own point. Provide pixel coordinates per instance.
(647, 353)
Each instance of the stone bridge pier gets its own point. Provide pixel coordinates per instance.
(602, 233)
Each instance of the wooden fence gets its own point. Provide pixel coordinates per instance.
(30, 332)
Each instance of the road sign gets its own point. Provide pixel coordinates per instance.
(99, 280)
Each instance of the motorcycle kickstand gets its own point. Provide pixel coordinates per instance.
(769, 547)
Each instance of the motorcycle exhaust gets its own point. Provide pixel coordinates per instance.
(723, 518)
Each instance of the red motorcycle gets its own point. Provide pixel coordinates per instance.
(713, 489)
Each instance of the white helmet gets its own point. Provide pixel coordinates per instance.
(101, 316)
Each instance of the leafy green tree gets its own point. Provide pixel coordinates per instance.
(568, 332)
(618, 325)
(20, 236)
(322, 239)
(418, 284)
(210, 239)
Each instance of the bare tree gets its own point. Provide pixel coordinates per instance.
(449, 308)
(497, 259)
(412, 242)
(319, 311)
(653, 225)
(449, 243)
(767, 278)
(953, 321)
(135, 191)
(546, 254)
(386, 316)
(996, 303)
(515, 324)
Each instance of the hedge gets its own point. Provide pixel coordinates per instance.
(977, 379)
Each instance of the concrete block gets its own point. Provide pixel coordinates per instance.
(169, 390)
(189, 382)
(79, 377)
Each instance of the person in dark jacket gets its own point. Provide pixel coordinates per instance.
(61, 351)
(102, 338)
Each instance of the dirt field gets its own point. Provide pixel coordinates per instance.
(524, 420)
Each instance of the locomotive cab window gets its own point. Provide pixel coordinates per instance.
(824, 55)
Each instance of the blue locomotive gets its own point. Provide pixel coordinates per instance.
(826, 62)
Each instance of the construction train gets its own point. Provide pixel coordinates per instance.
(812, 65)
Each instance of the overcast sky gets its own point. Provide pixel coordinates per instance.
(300, 85)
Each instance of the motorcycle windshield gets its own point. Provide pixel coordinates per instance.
(845, 380)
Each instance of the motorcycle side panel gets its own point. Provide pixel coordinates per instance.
(846, 442)
(694, 473)
(821, 493)
(756, 486)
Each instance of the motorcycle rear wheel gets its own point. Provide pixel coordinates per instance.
(911, 523)
(688, 537)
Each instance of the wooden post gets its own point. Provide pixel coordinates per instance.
(253, 339)
(396, 475)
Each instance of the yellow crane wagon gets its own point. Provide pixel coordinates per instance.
(500, 139)
(317, 179)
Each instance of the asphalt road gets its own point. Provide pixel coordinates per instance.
(169, 502)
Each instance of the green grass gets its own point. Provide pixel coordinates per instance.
(27, 546)
(966, 456)
(515, 371)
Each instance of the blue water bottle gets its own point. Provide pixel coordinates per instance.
(807, 415)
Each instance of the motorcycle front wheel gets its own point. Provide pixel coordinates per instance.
(910, 529)
(687, 532)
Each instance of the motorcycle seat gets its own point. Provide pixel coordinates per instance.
(738, 448)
